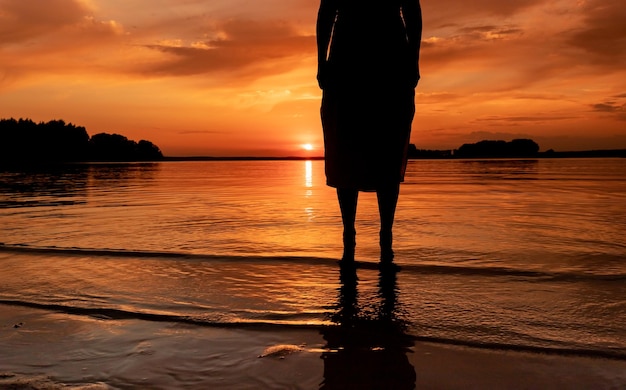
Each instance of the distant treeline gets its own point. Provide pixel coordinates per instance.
(24, 141)
(482, 149)
(517, 148)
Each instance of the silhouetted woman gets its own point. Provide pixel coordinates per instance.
(368, 68)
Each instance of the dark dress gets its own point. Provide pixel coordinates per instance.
(368, 102)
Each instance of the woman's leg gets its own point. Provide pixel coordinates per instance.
(347, 204)
(387, 201)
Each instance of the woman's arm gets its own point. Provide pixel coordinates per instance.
(412, 14)
(324, 30)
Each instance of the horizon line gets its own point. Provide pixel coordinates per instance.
(547, 153)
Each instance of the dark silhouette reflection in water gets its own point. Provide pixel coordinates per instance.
(368, 348)
(498, 169)
(68, 184)
(121, 175)
(54, 185)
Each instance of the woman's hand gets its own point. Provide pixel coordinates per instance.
(415, 76)
(322, 74)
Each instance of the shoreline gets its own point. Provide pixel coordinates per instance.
(52, 350)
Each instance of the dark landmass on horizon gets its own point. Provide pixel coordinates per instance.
(517, 148)
(24, 142)
(486, 149)
(240, 158)
(428, 156)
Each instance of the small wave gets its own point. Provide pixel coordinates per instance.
(592, 353)
(118, 314)
(511, 272)
(38, 203)
(20, 381)
(429, 269)
(54, 250)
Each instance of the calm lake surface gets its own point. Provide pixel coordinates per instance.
(522, 254)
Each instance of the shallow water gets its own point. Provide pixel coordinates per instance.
(522, 254)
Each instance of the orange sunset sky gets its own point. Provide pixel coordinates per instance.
(235, 77)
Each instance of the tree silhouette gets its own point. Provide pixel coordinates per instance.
(24, 141)
(115, 147)
(487, 148)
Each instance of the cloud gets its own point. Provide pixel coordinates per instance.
(615, 107)
(184, 132)
(472, 44)
(522, 119)
(607, 107)
(488, 135)
(53, 37)
(443, 13)
(533, 47)
(602, 35)
(62, 23)
(241, 48)
(436, 98)
(488, 33)
(22, 20)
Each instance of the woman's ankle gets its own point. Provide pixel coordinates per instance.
(349, 244)
(386, 245)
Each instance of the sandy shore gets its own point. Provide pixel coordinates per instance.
(47, 350)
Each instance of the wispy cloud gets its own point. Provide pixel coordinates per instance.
(601, 35)
(615, 107)
(241, 48)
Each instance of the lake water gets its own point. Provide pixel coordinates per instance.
(520, 254)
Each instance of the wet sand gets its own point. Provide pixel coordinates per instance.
(41, 349)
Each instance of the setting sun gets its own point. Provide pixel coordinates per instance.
(307, 147)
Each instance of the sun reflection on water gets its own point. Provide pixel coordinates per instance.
(308, 183)
(308, 174)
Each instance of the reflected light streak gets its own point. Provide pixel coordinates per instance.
(308, 174)
(310, 213)
(308, 183)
